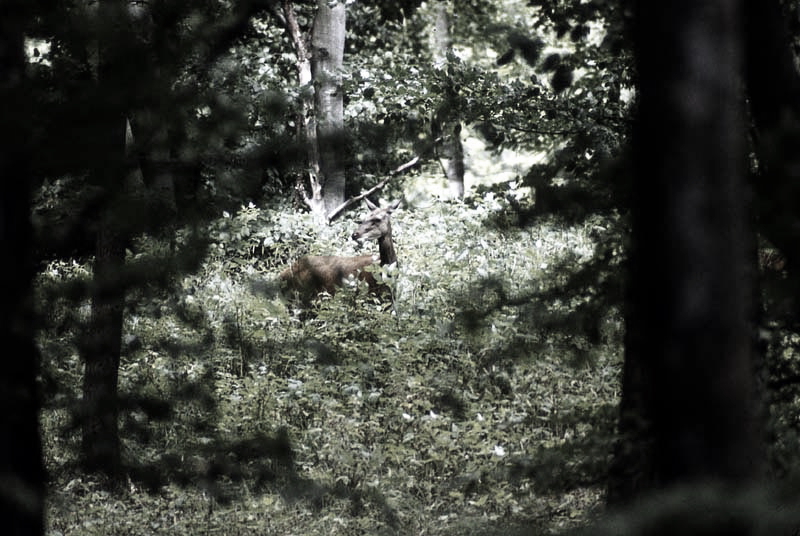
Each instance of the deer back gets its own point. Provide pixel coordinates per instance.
(313, 274)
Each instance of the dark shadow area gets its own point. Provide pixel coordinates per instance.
(574, 306)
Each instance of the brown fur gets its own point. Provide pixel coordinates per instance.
(318, 273)
(312, 274)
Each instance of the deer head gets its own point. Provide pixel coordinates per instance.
(378, 226)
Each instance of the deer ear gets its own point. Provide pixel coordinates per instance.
(394, 205)
(370, 204)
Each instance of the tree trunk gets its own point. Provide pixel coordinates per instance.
(321, 115)
(306, 123)
(449, 151)
(631, 472)
(689, 365)
(100, 446)
(327, 62)
(151, 175)
(445, 124)
(100, 441)
(148, 140)
(22, 475)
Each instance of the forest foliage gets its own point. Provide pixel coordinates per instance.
(483, 399)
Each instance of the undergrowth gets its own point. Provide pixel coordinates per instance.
(475, 404)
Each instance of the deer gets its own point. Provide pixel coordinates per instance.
(313, 274)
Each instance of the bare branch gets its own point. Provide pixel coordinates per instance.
(396, 171)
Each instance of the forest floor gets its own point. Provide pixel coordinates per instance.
(470, 406)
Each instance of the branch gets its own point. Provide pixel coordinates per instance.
(293, 30)
(396, 171)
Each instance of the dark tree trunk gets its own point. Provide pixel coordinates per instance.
(21, 472)
(148, 138)
(155, 177)
(689, 390)
(631, 472)
(327, 60)
(101, 450)
(100, 441)
(306, 122)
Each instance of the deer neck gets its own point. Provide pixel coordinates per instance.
(386, 249)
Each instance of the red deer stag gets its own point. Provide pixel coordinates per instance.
(313, 274)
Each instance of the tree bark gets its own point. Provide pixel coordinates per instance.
(100, 437)
(689, 375)
(444, 125)
(449, 151)
(320, 120)
(101, 447)
(22, 475)
(151, 172)
(306, 122)
(148, 139)
(327, 62)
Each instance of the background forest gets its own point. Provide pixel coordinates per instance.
(591, 326)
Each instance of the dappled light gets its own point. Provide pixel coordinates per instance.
(444, 268)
